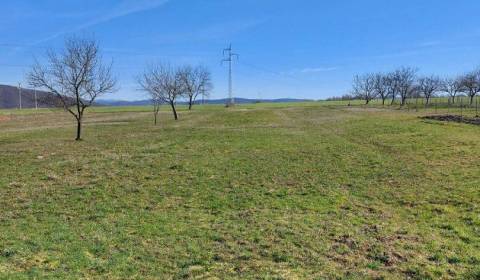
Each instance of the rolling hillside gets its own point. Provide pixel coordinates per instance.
(9, 97)
(108, 102)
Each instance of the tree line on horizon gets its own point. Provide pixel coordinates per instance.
(404, 83)
(77, 75)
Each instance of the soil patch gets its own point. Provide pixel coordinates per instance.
(4, 118)
(454, 118)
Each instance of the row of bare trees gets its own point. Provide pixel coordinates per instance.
(404, 83)
(166, 84)
(77, 76)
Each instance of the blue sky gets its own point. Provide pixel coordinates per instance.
(301, 49)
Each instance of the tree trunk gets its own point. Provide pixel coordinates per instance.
(190, 103)
(156, 109)
(393, 99)
(428, 100)
(79, 129)
(471, 99)
(174, 110)
(383, 101)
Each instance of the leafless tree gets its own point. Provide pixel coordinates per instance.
(364, 87)
(428, 87)
(164, 84)
(404, 79)
(470, 84)
(196, 81)
(391, 84)
(381, 86)
(452, 87)
(155, 98)
(76, 76)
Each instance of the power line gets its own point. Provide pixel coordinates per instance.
(228, 57)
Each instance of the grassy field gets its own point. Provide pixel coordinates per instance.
(282, 191)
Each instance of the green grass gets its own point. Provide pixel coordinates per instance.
(264, 191)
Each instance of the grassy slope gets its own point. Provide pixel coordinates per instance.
(260, 191)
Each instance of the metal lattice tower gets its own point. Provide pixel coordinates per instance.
(228, 57)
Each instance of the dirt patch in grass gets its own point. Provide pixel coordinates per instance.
(454, 118)
(4, 118)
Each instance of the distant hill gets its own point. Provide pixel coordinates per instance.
(9, 98)
(113, 102)
(107, 102)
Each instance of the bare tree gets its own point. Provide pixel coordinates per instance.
(155, 98)
(196, 81)
(404, 79)
(364, 87)
(428, 87)
(76, 76)
(391, 84)
(381, 86)
(470, 84)
(452, 87)
(163, 82)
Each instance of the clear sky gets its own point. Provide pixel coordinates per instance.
(288, 48)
